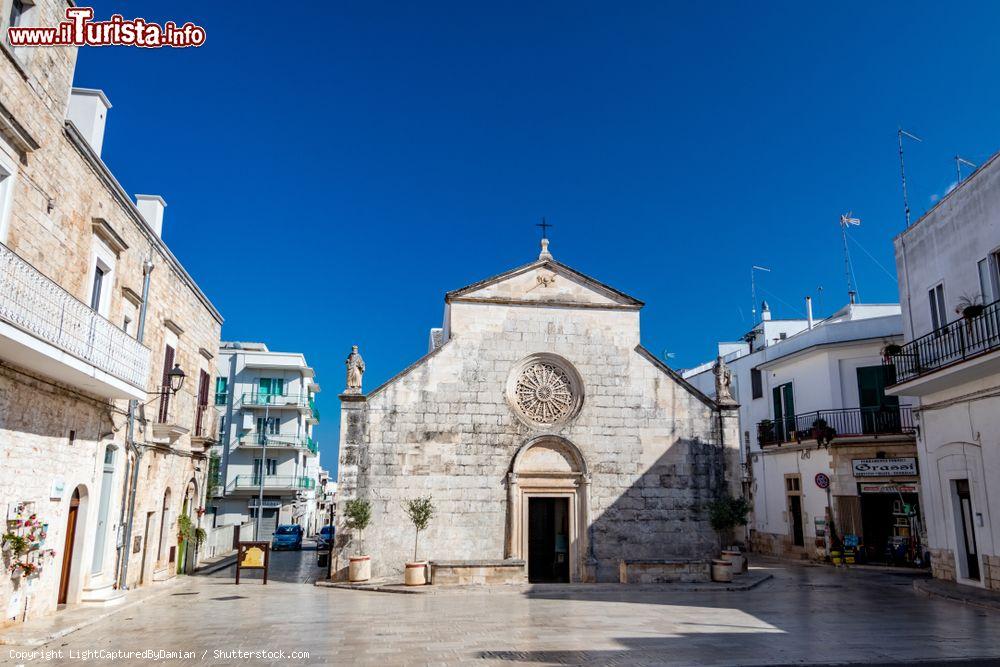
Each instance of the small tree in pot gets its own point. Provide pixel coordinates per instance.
(359, 514)
(420, 511)
(725, 514)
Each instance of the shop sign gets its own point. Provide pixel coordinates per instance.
(888, 488)
(905, 467)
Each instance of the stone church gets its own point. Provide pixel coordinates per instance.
(545, 433)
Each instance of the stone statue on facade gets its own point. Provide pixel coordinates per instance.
(355, 370)
(723, 382)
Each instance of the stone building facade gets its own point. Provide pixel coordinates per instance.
(75, 254)
(543, 431)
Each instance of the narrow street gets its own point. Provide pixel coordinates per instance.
(806, 613)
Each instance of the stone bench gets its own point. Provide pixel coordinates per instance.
(654, 571)
(468, 572)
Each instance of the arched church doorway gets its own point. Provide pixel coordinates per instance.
(547, 516)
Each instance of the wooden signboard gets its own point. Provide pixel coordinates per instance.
(253, 556)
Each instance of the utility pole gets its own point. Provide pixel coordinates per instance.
(900, 133)
(846, 221)
(753, 292)
(959, 161)
(263, 467)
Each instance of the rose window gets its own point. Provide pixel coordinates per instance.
(544, 393)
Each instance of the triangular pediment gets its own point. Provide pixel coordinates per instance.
(544, 282)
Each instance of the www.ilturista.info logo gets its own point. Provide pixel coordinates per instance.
(79, 29)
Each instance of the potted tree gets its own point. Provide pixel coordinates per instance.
(725, 514)
(420, 511)
(359, 514)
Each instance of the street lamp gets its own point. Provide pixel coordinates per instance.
(176, 376)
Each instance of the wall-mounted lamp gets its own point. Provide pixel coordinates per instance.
(176, 376)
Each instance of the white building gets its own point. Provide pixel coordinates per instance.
(947, 261)
(268, 400)
(813, 410)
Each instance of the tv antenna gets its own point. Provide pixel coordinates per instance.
(848, 220)
(959, 161)
(900, 133)
(753, 291)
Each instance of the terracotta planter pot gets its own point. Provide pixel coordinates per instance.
(737, 559)
(722, 570)
(360, 568)
(416, 573)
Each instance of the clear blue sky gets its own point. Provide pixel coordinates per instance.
(327, 188)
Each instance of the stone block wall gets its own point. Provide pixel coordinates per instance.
(659, 572)
(943, 564)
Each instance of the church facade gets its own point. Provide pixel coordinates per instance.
(543, 431)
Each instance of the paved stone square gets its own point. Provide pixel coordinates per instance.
(805, 614)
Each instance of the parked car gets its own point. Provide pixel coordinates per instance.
(287, 537)
(324, 537)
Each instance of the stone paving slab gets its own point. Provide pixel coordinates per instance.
(42, 630)
(743, 582)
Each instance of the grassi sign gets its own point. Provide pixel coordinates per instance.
(906, 467)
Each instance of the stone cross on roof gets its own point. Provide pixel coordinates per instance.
(545, 254)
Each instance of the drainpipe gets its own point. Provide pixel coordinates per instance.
(147, 270)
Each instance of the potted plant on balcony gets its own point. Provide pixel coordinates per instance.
(725, 514)
(822, 432)
(358, 513)
(970, 306)
(765, 432)
(420, 511)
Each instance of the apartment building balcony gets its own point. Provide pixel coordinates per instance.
(206, 425)
(249, 484)
(45, 329)
(964, 350)
(838, 426)
(277, 440)
(299, 402)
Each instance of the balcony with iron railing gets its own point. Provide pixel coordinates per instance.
(825, 426)
(257, 439)
(261, 399)
(242, 483)
(973, 335)
(45, 328)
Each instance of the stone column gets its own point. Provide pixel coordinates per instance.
(353, 431)
(731, 441)
(513, 546)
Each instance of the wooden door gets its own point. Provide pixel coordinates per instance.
(67, 565)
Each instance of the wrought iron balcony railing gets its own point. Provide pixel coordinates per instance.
(255, 399)
(37, 305)
(247, 482)
(826, 425)
(956, 341)
(256, 439)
